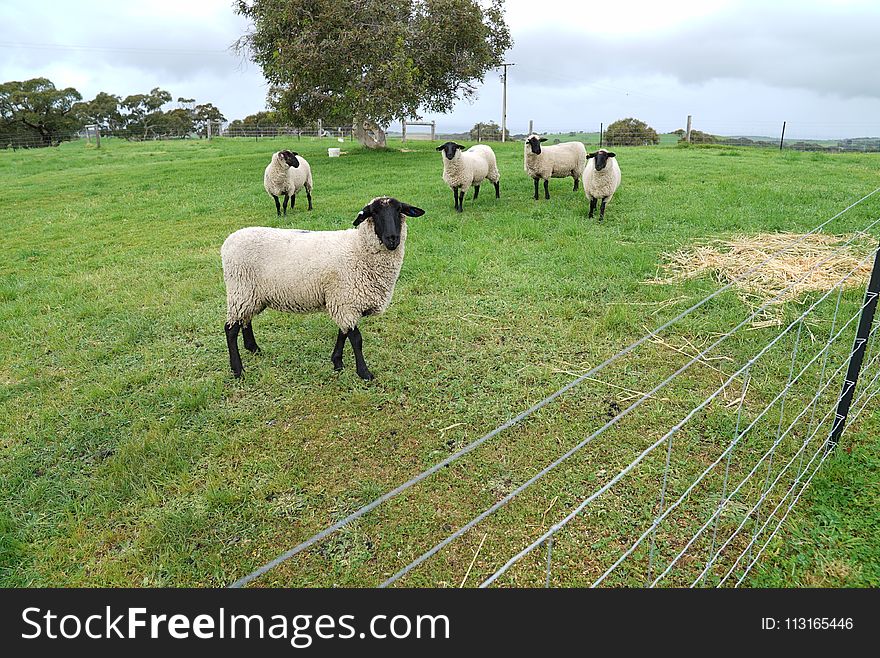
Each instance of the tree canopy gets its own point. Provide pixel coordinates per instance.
(36, 113)
(630, 132)
(372, 61)
(36, 107)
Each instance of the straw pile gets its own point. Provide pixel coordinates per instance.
(816, 263)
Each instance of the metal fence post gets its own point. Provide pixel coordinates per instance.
(858, 352)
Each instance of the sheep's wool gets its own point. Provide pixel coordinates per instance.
(470, 167)
(601, 184)
(275, 177)
(348, 273)
(556, 161)
(299, 177)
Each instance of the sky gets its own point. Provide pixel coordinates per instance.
(740, 67)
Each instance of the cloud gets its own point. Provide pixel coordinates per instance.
(825, 49)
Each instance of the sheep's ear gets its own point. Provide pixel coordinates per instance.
(543, 139)
(591, 155)
(439, 148)
(610, 155)
(459, 146)
(365, 213)
(411, 211)
(295, 162)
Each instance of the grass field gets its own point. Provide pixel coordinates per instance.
(131, 457)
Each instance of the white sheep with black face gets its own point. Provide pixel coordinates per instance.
(465, 168)
(556, 161)
(286, 174)
(601, 179)
(349, 274)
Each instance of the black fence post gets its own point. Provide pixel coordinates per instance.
(858, 353)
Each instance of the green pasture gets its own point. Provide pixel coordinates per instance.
(131, 457)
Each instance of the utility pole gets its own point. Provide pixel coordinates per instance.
(504, 104)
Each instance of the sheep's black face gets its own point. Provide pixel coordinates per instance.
(449, 149)
(601, 158)
(387, 214)
(290, 158)
(535, 142)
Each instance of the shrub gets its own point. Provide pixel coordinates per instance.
(630, 132)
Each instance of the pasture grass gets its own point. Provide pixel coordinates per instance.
(131, 457)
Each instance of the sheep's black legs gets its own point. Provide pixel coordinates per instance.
(354, 337)
(459, 207)
(497, 185)
(546, 189)
(336, 356)
(536, 189)
(455, 197)
(602, 210)
(476, 192)
(309, 197)
(292, 201)
(250, 343)
(592, 206)
(232, 344)
(277, 205)
(576, 181)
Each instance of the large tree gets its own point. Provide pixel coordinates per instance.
(102, 110)
(142, 113)
(372, 61)
(36, 108)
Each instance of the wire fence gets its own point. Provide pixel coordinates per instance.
(743, 135)
(681, 455)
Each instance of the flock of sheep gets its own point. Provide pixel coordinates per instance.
(351, 273)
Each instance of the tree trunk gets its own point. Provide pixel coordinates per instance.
(369, 134)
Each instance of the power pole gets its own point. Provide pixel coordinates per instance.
(504, 104)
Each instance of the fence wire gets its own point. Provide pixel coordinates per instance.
(701, 511)
(26, 138)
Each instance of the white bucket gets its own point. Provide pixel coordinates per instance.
(333, 152)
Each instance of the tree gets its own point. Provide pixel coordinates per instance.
(103, 111)
(202, 114)
(697, 137)
(35, 108)
(373, 61)
(630, 132)
(490, 131)
(142, 112)
(177, 122)
(252, 123)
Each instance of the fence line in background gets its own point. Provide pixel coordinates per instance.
(546, 537)
(598, 137)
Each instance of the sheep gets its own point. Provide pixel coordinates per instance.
(557, 161)
(299, 177)
(275, 177)
(349, 273)
(601, 179)
(461, 169)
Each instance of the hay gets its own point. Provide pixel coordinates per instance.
(816, 263)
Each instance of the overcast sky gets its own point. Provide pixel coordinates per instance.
(738, 66)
